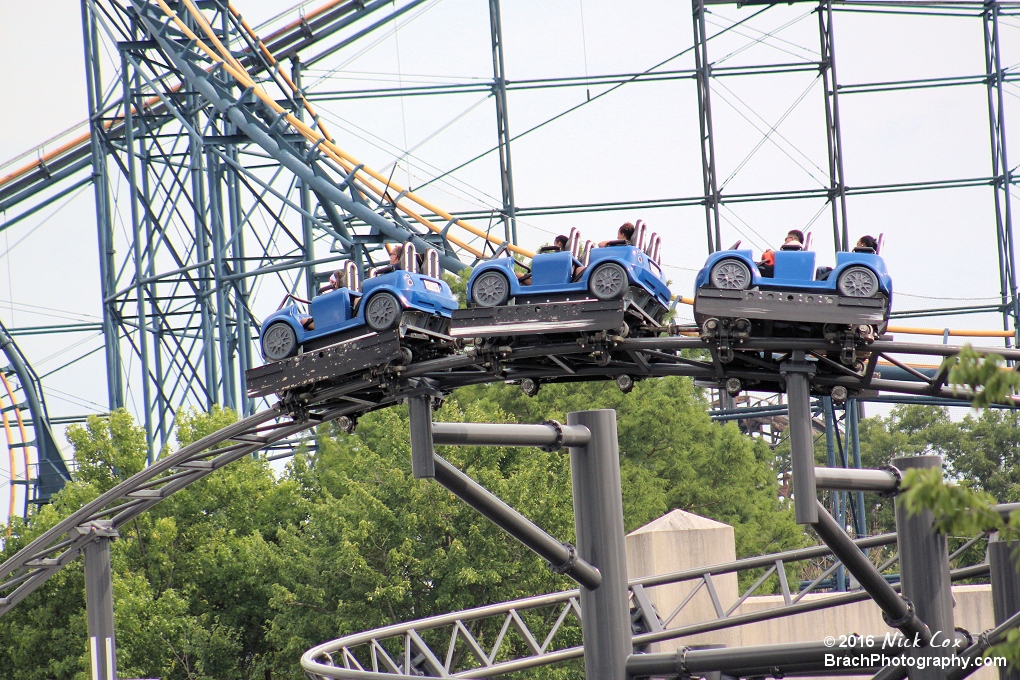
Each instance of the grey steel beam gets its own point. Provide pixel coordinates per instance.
(853, 418)
(423, 454)
(837, 501)
(1005, 573)
(759, 660)
(897, 611)
(981, 645)
(842, 479)
(546, 435)
(802, 447)
(598, 518)
(924, 570)
(99, 599)
(562, 557)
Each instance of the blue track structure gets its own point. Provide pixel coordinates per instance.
(52, 472)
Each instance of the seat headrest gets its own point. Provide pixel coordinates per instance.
(432, 263)
(574, 241)
(409, 258)
(353, 276)
(639, 235)
(791, 246)
(586, 253)
(654, 245)
(864, 249)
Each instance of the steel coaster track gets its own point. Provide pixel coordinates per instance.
(597, 358)
(401, 649)
(331, 173)
(26, 427)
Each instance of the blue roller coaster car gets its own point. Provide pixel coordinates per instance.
(623, 272)
(732, 297)
(404, 299)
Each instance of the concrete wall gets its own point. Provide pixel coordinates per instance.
(681, 540)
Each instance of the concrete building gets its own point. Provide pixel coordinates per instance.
(680, 540)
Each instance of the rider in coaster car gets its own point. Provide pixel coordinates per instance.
(559, 243)
(624, 236)
(865, 244)
(337, 280)
(394, 264)
(794, 241)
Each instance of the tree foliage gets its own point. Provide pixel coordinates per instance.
(982, 454)
(237, 575)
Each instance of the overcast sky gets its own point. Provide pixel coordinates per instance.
(638, 142)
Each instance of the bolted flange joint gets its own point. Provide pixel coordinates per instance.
(568, 563)
(903, 620)
(895, 472)
(558, 443)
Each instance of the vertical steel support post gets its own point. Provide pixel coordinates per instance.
(162, 410)
(99, 600)
(506, 175)
(924, 570)
(1001, 172)
(243, 325)
(835, 497)
(104, 218)
(306, 199)
(797, 374)
(704, 73)
(423, 455)
(833, 135)
(140, 238)
(1005, 572)
(218, 246)
(853, 427)
(206, 281)
(598, 519)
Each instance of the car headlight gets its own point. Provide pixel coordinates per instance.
(730, 274)
(858, 282)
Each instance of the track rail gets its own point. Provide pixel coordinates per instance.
(479, 642)
(586, 359)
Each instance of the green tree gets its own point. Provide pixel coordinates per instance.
(672, 456)
(237, 575)
(963, 506)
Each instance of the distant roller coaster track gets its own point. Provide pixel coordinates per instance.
(355, 395)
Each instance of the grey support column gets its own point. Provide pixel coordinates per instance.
(423, 464)
(99, 599)
(802, 445)
(1003, 562)
(924, 569)
(598, 518)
